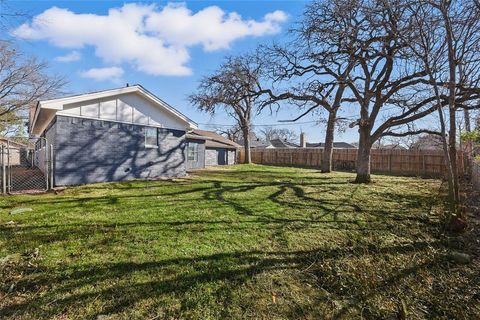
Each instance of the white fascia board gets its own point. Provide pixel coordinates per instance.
(87, 96)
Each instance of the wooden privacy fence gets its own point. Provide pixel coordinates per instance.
(429, 163)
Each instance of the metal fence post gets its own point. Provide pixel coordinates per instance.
(4, 173)
(51, 166)
(9, 174)
(423, 166)
(46, 165)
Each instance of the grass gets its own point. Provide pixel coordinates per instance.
(240, 242)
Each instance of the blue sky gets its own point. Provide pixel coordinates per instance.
(90, 42)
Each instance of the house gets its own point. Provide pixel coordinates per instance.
(281, 144)
(207, 148)
(285, 144)
(13, 144)
(336, 145)
(273, 144)
(258, 144)
(16, 152)
(122, 134)
(321, 145)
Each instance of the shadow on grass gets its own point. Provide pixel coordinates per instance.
(71, 288)
(122, 285)
(323, 212)
(156, 190)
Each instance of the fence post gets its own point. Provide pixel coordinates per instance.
(46, 166)
(9, 174)
(51, 166)
(4, 173)
(390, 162)
(423, 166)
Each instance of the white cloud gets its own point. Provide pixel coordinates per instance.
(154, 40)
(211, 27)
(69, 57)
(101, 74)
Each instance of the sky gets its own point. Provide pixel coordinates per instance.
(165, 46)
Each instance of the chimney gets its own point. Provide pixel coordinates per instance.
(303, 140)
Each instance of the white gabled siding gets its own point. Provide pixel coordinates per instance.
(130, 108)
(108, 110)
(124, 111)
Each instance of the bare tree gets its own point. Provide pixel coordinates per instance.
(388, 84)
(233, 88)
(380, 80)
(10, 17)
(271, 133)
(233, 133)
(311, 71)
(359, 53)
(23, 81)
(448, 46)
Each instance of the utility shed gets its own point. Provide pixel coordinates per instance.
(207, 148)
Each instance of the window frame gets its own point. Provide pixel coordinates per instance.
(194, 152)
(147, 131)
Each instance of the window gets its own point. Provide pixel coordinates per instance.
(151, 138)
(192, 151)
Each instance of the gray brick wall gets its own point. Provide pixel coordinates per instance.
(88, 151)
(50, 134)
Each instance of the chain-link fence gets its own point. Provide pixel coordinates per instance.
(25, 165)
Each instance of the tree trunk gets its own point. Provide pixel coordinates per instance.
(246, 145)
(443, 135)
(452, 65)
(328, 150)
(468, 128)
(469, 144)
(448, 162)
(363, 156)
(452, 140)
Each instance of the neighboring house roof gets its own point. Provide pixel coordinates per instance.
(254, 140)
(50, 107)
(212, 139)
(278, 143)
(273, 144)
(6, 141)
(336, 145)
(257, 143)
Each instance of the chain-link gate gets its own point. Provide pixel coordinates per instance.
(25, 165)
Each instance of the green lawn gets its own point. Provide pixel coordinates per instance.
(241, 242)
